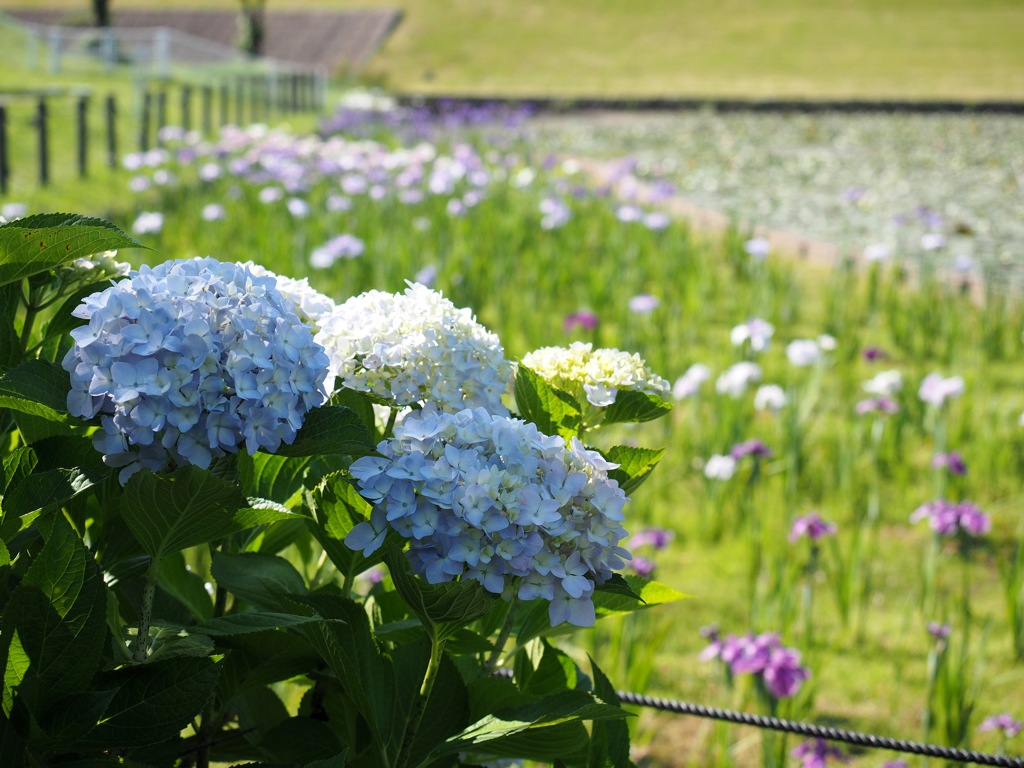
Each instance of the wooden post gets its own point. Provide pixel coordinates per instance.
(224, 97)
(254, 94)
(239, 100)
(4, 170)
(82, 123)
(207, 110)
(44, 149)
(186, 108)
(147, 107)
(161, 113)
(295, 93)
(111, 131)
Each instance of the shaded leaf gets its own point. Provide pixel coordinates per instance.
(75, 715)
(299, 740)
(336, 507)
(543, 670)
(58, 615)
(443, 608)
(609, 739)
(260, 579)
(183, 585)
(617, 585)
(38, 388)
(253, 621)
(330, 429)
(153, 702)
(570, 706)
(42, 489)
(167, 513)
(348, 648)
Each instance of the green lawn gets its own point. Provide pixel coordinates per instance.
(916, 49)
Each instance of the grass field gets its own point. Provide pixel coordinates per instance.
(910, 49)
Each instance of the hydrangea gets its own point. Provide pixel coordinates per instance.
(309, 304)
(594, 375)
(186, 361)
(416, 347)
(492, 499)
(92, 269)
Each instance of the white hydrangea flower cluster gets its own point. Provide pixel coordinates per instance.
(92, 269)
(491, 498)
(416, 347)
(595, 375)
(187, 360)
(310, 305)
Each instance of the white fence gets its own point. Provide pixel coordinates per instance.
(148, 51)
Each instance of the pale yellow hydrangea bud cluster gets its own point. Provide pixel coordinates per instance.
(594, 375)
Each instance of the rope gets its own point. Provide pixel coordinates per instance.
(814, 731)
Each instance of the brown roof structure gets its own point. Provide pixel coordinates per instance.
(335, 40)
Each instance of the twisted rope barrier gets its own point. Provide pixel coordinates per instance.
(814, 731)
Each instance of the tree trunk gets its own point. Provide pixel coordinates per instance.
(101, 12)
(253, 26)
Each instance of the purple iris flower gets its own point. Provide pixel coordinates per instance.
(783, 674)
(1002, 722)
(952, 461)
(658, 538)
(884, 405)
(817, 752)
(940, 632)
(761, 655)
(642, 566)
(873, 353)
(812, 526)
(584, 319)
(754, 448)
(947, 518)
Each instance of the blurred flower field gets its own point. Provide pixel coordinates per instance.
(945, 188)
(840, 492)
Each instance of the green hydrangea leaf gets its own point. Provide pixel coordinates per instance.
(38, 243)
(631, 406)
(553, 411)
(635, 465)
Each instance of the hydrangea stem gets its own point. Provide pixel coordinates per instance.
(416, 717)
(140, 651)
(499, 644)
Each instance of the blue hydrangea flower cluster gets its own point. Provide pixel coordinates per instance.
(186, 361)
(491, 498)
